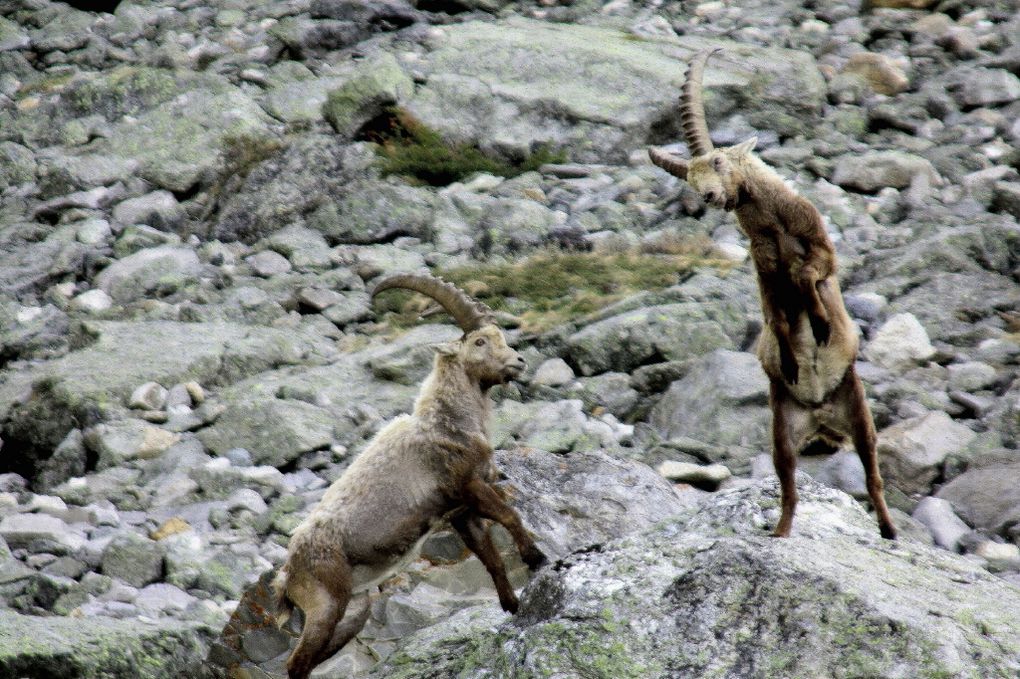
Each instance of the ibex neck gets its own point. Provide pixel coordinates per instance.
(452, 402)
(761, 189)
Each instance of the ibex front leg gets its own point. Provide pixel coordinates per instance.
(483, 499)
(477, 538)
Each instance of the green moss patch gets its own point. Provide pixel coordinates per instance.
(411, 149)
(552, 287)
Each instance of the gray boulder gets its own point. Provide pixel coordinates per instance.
(987, 498)
(709, 594)
(721, 401)
(512, 84)
(911, 453)
(875, 170)
(147, 271)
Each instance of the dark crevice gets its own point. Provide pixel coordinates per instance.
(107, 6)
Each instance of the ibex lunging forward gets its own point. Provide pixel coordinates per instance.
(419, 470)
(808, 344)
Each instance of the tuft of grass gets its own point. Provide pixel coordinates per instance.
(410, 148)
(552, 287)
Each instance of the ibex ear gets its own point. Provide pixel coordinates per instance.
(447, 348)
(746, 146)
(674, 165)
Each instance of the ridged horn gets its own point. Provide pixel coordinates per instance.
(670, 163)
(470, 314)
(692, 106)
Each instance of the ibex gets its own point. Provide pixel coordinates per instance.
(418, 471)
(808, 343)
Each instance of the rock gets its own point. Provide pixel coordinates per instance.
(267, 264)
(149, 396)
(481, 87)
(722, 400)
(1000, 556)
(171, 526)
(12, 36)
(607, 392)
(23, 530)
(557, 427)
(553, 372)
(988, 87)
(673, 331)
(158, 209)
(374, 212)
(842, 470)
(163, 599)
(901, 342)
(874, 170)
(944, 525)
(1006, 198)
(92, 301)
(93, 231)
(881, 73)
(911, 453)
(117, 442)
(702, 476)
(134, 559)
(17, 164)
(903, 4)
(713, 593)
(55, 646)
(971, 376)
(377, 83)
(163, 268)
(276, 431)
(988, 499)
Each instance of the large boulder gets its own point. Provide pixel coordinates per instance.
(710, 594)
(103, 648)
(512, 84)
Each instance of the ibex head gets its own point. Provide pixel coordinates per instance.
(711, 172)
(482, 351)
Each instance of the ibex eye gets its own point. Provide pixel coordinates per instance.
(480, 342)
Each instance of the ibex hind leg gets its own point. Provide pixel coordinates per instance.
(862, 430)
(322, 592)
(478, 539)
(784, 457)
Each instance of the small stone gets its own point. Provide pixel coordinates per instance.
(971, 376)
(239, 457)
(48, 504)
(93, 231)
(999, 555)
(171, 526)
(938, 517)
(246, 499)
(149, 396)
(881, 72)
(866, 305)
(134, 559)
(874, 170)
(988, 87)
(553, 373)
(900, 343)
(702, 476)
(92, 301)
(158, 209)
(178, 397)
(318, 299)
(163, 598)
(196, 391)
(118, 442)
(21, 530)
(268, 263)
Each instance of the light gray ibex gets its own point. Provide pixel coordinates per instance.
(419, 470)
(808, 343)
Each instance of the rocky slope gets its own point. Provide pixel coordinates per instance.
(195, 197)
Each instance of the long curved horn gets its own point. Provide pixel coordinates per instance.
(470, 314)
(668, 162)
(692, 106)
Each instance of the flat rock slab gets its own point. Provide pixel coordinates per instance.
(709, 594)
(598, 91)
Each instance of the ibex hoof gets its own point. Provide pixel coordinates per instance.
(888, 532)
(534, 558)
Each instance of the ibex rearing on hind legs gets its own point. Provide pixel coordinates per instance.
(421, 469)
(808, 343)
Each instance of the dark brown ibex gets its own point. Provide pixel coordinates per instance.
(808, 343)
(418, 471)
